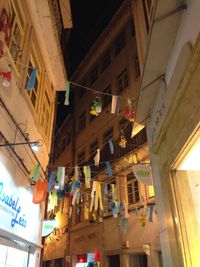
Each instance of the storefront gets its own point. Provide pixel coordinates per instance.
(20, 219)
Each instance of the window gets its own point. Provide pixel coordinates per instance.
(137, 67)
(82, 121)
(107, 98)
(47, 109)
(106, 60)
(17, 30)
(108, 135)
(132, 189)
(122, 81)
(81, 158)
(119, 43)
(93, 75)
(139, 260)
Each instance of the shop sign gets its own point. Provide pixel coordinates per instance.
(17, 212)
(48, 226)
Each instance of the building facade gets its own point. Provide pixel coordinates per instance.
(110, 68)
(171, 71)
(26, 116)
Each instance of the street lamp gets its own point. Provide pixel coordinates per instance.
(35, 145)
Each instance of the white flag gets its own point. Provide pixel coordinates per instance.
(114, 104)
(97, 158)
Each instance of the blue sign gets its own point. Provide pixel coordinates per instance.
(11, 206)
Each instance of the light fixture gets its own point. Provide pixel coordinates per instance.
(35, 145)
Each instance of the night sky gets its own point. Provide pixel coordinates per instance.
(90, 17)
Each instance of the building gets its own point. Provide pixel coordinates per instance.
(110, 68)
(169, 98)
(26, 116)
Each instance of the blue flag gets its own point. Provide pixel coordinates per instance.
(36, 173)
(31, 81)
(108, 168)
(51, 180)
(151, 214)
(111, 146)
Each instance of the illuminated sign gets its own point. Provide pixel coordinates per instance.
(82, 258)
(48, 226)
(18, 214)
(10, 205)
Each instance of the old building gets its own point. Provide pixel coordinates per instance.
(29, 40)
(110, 68)
(169, 104)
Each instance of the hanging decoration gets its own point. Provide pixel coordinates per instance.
(6, 75)
(86, 213)
(123, 141)
(123, 223)
(51, 180)
(151, 214)
(31, 81)
(111, 146)
(5, 31)
(87, 173)
(66, 103)
(76, 173)
(40, 191)
(129, 111)
(113, 206)
(108, 167)
(96, 198)
(36, 173)
(53, 200)
(62, 180)
(142, 220)
(114, 104)
(97, 158)
(96, 107)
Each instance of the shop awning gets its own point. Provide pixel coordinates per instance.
(166, 23)
(18, 241)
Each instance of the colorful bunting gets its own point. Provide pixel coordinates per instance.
(62, 180)
(6, 76)
(40, 191)
(59, 174)
(66, 103)
(31, 80)
(109, 170)
(53, 200)
(76, 173)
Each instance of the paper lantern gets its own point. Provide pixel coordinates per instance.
(40, 191)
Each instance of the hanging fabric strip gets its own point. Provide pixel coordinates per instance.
(36, 173)
(87, 173)
(109, 170)
(86, 213)
(51, 180)
(59, 174)
(97, 158)
(67, 93)
(76, 173)
(105, 190)
(114, 104)
(113, 191)
(31, 81)
(31, 175)
(151, 214)
(62, 180)
(92, 195)
(111, 146)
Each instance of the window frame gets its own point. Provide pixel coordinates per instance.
(120, 43)
(122, 80)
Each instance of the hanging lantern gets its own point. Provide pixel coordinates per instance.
(96, 107)
(129, 111)
(6, 76)
(123, 141)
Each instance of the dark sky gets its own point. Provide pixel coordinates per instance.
(90, 17)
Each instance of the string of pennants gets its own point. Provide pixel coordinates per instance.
(60, 186)
(96, 107)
